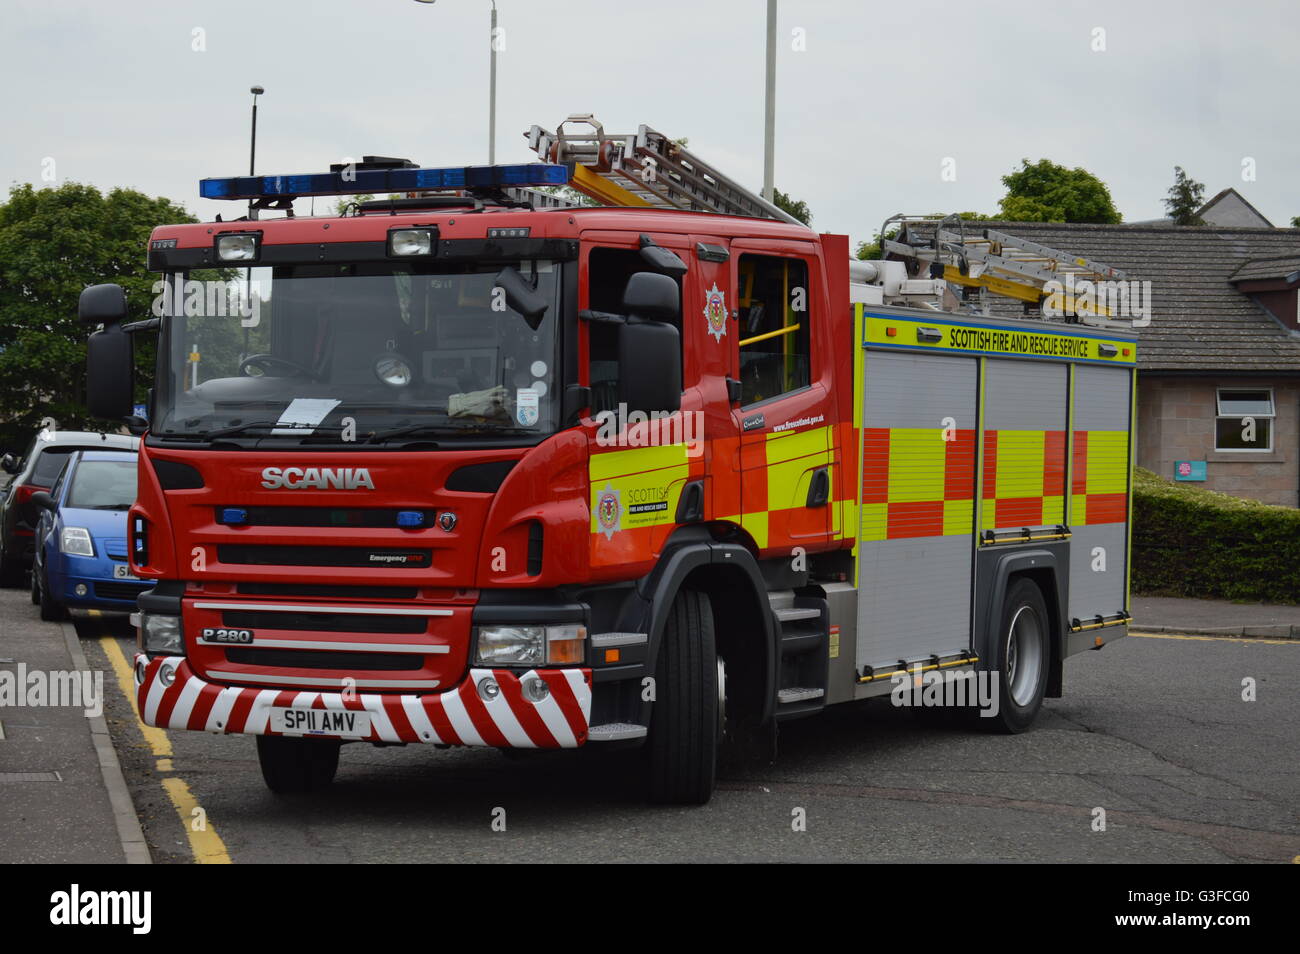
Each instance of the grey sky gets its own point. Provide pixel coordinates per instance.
(883, 93)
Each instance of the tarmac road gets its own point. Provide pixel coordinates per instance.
(1153, 730)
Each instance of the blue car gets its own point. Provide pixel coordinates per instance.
(81, 537)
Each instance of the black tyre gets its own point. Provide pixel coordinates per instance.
(1022, 655)
(291, 765)
(11, 568)
(686, 719)
(51, 609)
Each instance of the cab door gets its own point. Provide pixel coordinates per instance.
(782, 413)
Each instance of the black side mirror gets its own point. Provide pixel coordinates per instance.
(44, 501)
(9, 464)
(102, 304)
(110, 373)
(653, 296)
(521, 296)
(650, 364)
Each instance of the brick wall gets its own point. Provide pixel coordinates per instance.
(1176, 422)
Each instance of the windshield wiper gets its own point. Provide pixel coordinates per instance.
(251, 425)
(444, 428)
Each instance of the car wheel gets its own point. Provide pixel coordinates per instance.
(11, 569)
(686, 724)
(36, 589)
(51, 609)
(1022, 658)
(293, 765)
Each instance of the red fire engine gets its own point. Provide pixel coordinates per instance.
(471, 467)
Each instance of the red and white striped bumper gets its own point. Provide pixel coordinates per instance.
(459, 716)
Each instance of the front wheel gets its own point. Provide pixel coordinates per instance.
(1022, 656)
(687, 719)
(291, 765)
(51, 609)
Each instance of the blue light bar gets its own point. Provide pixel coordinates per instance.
(375, 181)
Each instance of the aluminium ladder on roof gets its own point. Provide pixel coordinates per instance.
(993, 261)
(645, 169)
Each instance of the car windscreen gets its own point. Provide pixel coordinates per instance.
(103, 485)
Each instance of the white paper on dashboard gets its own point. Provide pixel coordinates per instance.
(303, 414)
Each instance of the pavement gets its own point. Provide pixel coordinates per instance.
(62, 795)
(1165, 614)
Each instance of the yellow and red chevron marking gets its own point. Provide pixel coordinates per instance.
(459, 716)
(915, 483)
(1099, 487)
(1024, 479)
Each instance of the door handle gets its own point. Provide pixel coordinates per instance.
(819, 488)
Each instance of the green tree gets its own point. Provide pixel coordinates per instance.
(1295, 222)
(1046, 192)
(1186, 196)
(789, 206)
(53, 243)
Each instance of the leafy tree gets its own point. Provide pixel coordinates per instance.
(788, 205)
(53, 243)
(1046, 192)
(1295, 222)
(1186, 196)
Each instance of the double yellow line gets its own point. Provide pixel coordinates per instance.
(205, 843)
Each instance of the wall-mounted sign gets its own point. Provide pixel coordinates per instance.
(1189, 470)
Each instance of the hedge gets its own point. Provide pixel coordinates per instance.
(1188, 541)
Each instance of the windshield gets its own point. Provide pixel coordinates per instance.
(103, 485)
(357, 352)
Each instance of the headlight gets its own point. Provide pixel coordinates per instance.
(237, 248)
(76, 541)
(531, 645)
(160, 634)
(393, 370)
(407, 242)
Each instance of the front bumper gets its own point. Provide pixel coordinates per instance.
(458, 716)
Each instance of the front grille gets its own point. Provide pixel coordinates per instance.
(325, 516)
(120, 591)
(115, 548)
(271, 555)
(313, 659)
(324, 622)
(342, 592)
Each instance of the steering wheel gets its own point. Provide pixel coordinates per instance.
(267, 361)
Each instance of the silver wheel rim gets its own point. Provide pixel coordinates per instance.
(722, 696)
(1024, 655)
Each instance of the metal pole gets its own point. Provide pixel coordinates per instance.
(769, 103)
(492, 92)
(252, 144)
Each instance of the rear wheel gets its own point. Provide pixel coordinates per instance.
(291, 765)
(11, 568)
(1022, 654)
(36, 589)
(686, 722)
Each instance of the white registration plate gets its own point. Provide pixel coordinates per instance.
(297, 720)
(123, 572)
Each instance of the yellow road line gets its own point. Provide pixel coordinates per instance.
(1222, 639)
(205, 843)
(160, 745)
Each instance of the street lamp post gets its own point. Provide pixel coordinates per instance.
(252, 144)
(492, 83)
(769, 107)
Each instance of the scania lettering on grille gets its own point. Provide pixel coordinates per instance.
(317, 478)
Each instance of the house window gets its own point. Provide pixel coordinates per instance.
(1245, 420)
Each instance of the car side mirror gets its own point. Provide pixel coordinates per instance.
(652, 296)
(44, 501)
(650, 365)
(9, 464)
(110, 373)
(521, 296)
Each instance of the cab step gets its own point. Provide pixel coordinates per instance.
(803, 623)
